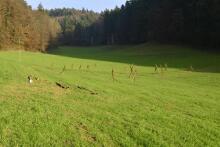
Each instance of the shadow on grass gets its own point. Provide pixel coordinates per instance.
(147, 55)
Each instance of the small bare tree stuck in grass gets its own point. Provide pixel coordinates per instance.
(131, 71)
(87, 67)
(165, 67)
(191, 68)
(161, 68)
(113, 75)
(135, 75)
(80, 67)
(156, 68)
(63, 70)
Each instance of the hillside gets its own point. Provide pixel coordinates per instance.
(24, 28)
(179, 106)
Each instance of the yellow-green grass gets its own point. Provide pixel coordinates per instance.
(176, 107)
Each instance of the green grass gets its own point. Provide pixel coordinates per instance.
(173, 108)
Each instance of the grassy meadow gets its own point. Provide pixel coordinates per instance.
(179, 106)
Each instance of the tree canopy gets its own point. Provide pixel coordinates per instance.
(74, 25)
(195, 22)
(21, 27)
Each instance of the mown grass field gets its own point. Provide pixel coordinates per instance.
(176, 107)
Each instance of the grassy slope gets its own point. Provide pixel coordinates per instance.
(174, 108)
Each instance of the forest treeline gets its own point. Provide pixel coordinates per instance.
(23, 28)
(194, 22)
(76, 25)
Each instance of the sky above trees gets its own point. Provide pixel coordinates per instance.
(96, 5)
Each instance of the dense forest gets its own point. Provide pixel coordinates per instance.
(23, 28)
(74, 25)
(193, 22)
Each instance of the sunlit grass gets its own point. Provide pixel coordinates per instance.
(176, 107)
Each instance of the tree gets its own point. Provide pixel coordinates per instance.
(40, 7)
(21, 27)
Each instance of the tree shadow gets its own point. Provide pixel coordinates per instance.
(147, 55)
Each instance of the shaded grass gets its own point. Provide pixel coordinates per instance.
(147, 55)
(176, 108)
